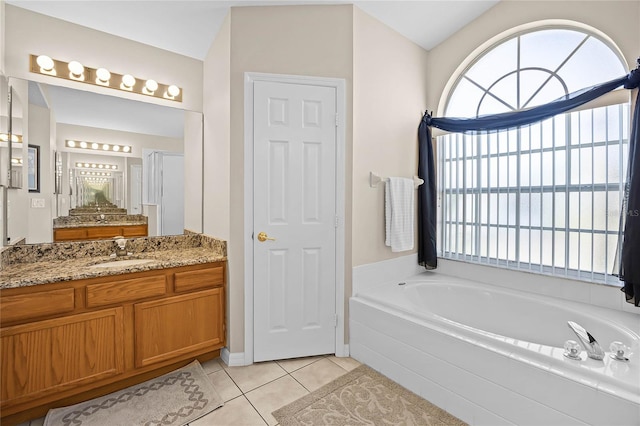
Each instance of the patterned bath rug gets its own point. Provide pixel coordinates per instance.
(363, 397)
(175, 399)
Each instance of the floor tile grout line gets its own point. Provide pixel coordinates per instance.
(257, 411)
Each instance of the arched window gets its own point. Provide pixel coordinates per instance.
(544, 197)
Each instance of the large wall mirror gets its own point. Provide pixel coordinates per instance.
(95, 151)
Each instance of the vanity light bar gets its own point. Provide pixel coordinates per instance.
(4, 137)
(16, 161)
(74, 70)
(96, 166)
(69, 143)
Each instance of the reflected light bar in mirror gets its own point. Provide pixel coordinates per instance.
(83, 173)
(70, 143)
(4, 137)
(16, 161)
(74, 70)
(96, 166)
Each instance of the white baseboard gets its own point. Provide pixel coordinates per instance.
(235, 359)
(371, 275)
(342, 351)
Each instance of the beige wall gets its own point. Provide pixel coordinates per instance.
(216, 174)
(619, 20)
(389, 94)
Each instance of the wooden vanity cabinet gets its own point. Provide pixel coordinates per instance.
(67, 342)
(98, 232)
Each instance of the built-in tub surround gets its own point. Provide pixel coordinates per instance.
(34, 264)
(96, 219)
(495, 356)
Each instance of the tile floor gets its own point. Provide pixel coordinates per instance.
(251, 393)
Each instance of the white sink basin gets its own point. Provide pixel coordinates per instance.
(121, 263)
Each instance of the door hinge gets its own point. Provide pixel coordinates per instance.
(336, 223)
(337, 121)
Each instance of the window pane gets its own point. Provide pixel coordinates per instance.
(464, 100)
(547, 248)
(599, 253)
(607, 67)
(600, 210)
(547, 210)
(535, 51)
(560, 252)
(560, 209)
(494, 64)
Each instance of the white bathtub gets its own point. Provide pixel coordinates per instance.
(495, 356)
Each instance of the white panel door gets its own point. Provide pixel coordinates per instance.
(294, 203)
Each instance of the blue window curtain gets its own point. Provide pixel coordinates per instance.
(629, 270)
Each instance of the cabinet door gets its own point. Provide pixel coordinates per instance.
(190, 324)
(45, 357)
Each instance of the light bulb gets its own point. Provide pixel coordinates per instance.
(86, 165)
(71, 144)
(128, 81)
(102, 76)
(106, 147)
(76, 69)
(45, 63)
(101, 166)
(151, 86)
(83, 144)
(116, 148)
(93, 166)
(173, 90)
(114, 167)
(126, 149)
(95, 146)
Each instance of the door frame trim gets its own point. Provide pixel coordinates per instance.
(339, 84)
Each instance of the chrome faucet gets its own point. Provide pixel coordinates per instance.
(121, 244)
(590, 344)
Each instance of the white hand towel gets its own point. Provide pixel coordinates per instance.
(398, 209)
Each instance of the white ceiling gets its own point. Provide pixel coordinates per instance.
(189, 27)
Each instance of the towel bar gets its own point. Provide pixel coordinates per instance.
(374, 180)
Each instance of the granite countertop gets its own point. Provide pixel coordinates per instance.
(57, 262)
(95, 223)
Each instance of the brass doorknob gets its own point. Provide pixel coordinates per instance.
(262, 237)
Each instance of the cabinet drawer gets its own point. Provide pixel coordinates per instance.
(69, 234)
(23, 306)
(104, 232)
(135, 231)
(202, 278)
(125, 291)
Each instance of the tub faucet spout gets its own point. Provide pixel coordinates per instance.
(590, 344)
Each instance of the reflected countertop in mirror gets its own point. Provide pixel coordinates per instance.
(87, 220)
(34, 264)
